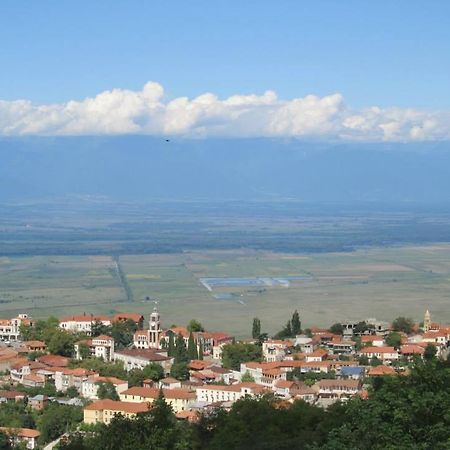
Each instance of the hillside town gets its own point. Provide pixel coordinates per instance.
(120, 364)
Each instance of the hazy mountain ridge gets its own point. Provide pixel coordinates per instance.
(146, 168)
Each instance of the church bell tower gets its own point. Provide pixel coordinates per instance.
(154, 329)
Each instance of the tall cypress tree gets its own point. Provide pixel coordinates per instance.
(296, 326)
(192, 347)
(256, 328)
(171, 346)
(180, 350)
(200, 350)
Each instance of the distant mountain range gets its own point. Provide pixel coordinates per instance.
(146, 168)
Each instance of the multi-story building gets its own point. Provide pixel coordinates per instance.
(83, 323)
(384, 354)
(18, 436)
(100, 347)
(179, 399)
(134, 358)
(90, 386)
(103, 411)
(10, 328)
(231, 393)
(274, 350)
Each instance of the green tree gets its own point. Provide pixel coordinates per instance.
(135, 377)
(107, 390)
(61, 343)
(195, 326)
(192, 351)
(374, 362)
(361, 327)
(256, 328)
(394, 340)
(403, 324)
(363, 360)
(286, 332)
(162, 413)
(430, 352)
(235, 354)
(296, 326)
(247, 377)
(200, 350)
(105, 369)
(72, 392)
(171, 346)
(337, 328)
(98, 328)
(123, 333)
(57, 419)
(408, 412)
(153, 371)
(4, 442)
(42, 330)
(180, 371)
(84, 350)
(181, 354)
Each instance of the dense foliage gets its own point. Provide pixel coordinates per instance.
(402, 412)
(235, 354)
(404, 324)
(292, 328)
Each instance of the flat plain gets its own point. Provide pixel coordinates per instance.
(381, 282)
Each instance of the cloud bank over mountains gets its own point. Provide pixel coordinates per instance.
(122, 111)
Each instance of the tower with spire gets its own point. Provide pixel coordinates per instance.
(427, 321)
(154, 329)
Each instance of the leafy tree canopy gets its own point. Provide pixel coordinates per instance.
(404, 324)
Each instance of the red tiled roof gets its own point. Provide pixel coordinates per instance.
(115, 405)
(34, 378)
(148, 354)
(54, 360)
(112, 380)
(34, 344)
(285, 384)
(378, 350)
(21, 432)
(85, 318)
(154, 393)
(380, 370)
(103, 337)
(197, 364)
(352, 384)
(412, 349)
(135, 317)
(320, 352)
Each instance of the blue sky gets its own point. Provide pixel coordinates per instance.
(336, 70)
(381, 53)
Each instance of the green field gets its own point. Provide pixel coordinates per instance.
(378, 282)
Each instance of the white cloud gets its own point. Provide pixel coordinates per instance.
(121, 111)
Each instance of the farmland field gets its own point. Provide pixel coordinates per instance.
(379, 282)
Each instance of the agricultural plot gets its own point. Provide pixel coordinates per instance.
(324, 287)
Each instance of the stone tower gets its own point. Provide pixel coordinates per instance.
(427, 321)
(154, 329)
